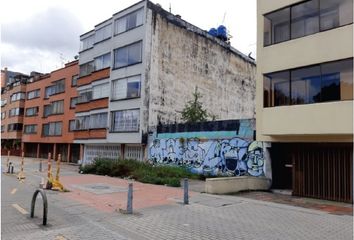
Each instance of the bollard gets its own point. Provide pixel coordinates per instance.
(56, 185)
(8, 160)
(12, 169)
(185, 186)
(21, 174)
(49, 165)
(40, 165)
(130, 199)
(58, 167)
(9, 167)
(45, 204)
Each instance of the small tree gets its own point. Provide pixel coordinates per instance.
(193, 110)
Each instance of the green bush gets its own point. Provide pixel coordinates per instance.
(140, 171)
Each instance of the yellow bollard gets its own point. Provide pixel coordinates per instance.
(50, 175)
(56, 183)
(21, 174)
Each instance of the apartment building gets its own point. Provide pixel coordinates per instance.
(140, 67)
(49, 114)
(13, 90)
(305, 95)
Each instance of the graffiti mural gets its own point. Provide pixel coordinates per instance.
(227, 157)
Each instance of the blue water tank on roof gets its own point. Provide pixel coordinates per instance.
(222, 33)
(213, 32)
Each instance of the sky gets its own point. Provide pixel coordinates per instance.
(42, 35)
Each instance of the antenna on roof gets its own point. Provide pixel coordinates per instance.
(170, 7)
(223, 19)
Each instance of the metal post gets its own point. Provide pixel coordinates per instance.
(45, 204)
(49, 165)
(185, 186)
(12, 169)
(8, 159)
(9, 167)
(130, 199)
(40, 165)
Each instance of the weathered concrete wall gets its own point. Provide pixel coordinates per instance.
(181, 59)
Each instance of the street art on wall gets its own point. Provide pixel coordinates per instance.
(229, 157)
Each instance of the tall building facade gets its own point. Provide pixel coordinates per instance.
(140, 67)
(13, 91)
(305, 95)
(49, 114)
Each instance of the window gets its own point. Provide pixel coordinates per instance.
(16, 112)
(74, 80)
(33, 111)
(100, 91)
(125, 121)
(98, 120)
(73, 102)
(72, 125)
(87, 68)
(306, 85)
(33, 94)
(337, 80)
(57, 87)
(87, 42)
(3, 115)
(127, 55)
(103, 61)
(103, 33)
(30, 129)
(3, 102)
(56, 107)
(325, 82)
(84, 96)
(52, 129)
(304, 19)
(335, 13)
(307, 18)
(82, 123)
(129, 21)
(279, 24)
(18, 96)
(2, 128)
(14, 127)
(126, 88)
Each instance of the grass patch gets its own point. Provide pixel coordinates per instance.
(140, 171)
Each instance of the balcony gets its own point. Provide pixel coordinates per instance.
(94, 76)
(90, 134)
(91, 105)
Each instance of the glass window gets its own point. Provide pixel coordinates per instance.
(103, 61)
(267, 91)
(16, 112)
(82, 123)
(129, 21)
(2, 128)
(30, 129)
(73, 102)
(100, 91)
(3, 115)
(87, 42)
(57, 107)
(57, 87)
(74, 80)
(87, 68)
(103, 33)
(84, 96)
(126, 88)
(304, 19)
(267, 35)
(17, 96)
(306, 85)
(125, 121)
(52, 129)
(280, 25)
(33, 111)
(280, 88)
(337, 80)
(127, 55)
(14, 127)
(33, 94)
(335, 13)
(72, 125)
(98, 120)
(3, 102)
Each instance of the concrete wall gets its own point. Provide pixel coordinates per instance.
(182, 58)
(328, 122)
(225, 153)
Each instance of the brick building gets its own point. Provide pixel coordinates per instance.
(49, 113)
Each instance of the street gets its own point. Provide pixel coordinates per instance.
(71, 216)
